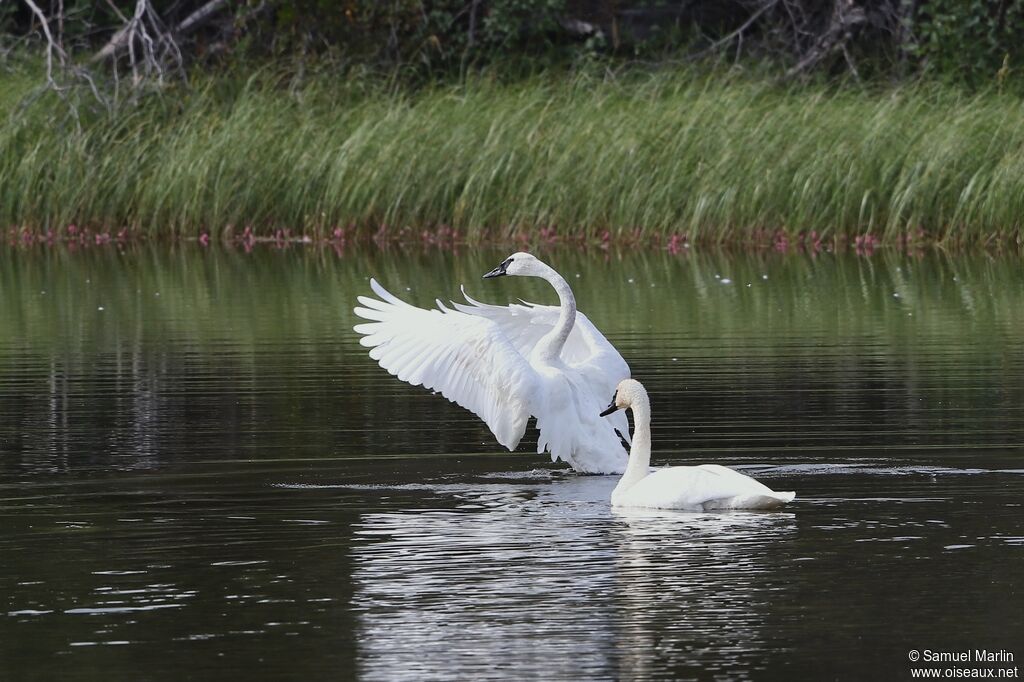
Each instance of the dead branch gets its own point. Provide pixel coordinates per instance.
(69, 72)
(151, 47)
(846, 15)
(200, 16)
(738, 33)
(52, 46)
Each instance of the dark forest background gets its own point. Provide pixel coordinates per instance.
(974, 42)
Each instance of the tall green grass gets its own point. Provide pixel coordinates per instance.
(714, 158)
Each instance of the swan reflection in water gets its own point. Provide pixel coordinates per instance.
(695, 590)
(546, 580)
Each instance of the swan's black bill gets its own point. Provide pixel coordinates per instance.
(608, 410)
(622, 440)
(500, 270)
(496, 272)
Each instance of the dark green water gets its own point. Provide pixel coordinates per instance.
(203, 476)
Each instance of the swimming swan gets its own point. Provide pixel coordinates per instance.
(699, 488)
(508, 363)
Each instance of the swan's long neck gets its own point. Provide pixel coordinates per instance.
(640, 451)
(550, 346)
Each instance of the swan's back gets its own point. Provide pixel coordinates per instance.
(700, 488)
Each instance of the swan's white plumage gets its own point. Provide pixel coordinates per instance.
(696, 488)
(586, 350)
(705, 487)
(525, 323)
(459, 356)
(506, 364)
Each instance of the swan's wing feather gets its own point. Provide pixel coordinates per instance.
(526, 323)
(697, 486)
(466, 358)
(572, 429)
(730, 479)
(586, 350)
(522, 324)
(602, 369)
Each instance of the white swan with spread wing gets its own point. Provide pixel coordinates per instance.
(508, 363)
(696, 488)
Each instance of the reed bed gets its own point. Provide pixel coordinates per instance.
(672, 157)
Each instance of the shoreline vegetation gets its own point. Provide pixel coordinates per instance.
(668, 157)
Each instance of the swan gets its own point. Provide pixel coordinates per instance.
(696, 488)
(508, 363)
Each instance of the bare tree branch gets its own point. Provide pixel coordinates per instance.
(200, 16)
(152, 49)
(717, 45)
(846, 15)
(52, 46)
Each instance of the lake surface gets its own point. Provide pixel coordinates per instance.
(203, 475)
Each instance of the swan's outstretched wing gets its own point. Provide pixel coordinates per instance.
(466, 358)
(586, 349)
(524, 324)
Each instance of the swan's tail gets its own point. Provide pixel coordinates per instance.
(785, 498)
(769, 500)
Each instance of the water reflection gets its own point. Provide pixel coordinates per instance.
(213, 353)
(545, 580)
(702, 578)
(478, 592)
